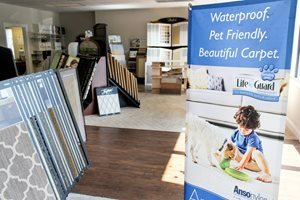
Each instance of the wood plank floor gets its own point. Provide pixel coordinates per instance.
(129, 164)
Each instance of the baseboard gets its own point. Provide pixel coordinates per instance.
(293, 128)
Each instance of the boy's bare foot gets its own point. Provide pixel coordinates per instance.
(218, 157)
(265, 178)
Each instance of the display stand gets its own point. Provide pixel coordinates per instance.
(99, 80)
(49, 144)
(126, 82)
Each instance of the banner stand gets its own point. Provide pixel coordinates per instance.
(240, 60)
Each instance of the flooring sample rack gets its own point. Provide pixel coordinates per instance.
(44, 152)
(125, 81)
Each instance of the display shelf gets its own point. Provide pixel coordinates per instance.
(135, 62)
(158, 34)
(180, 34)
(43, 43)
(166, 41)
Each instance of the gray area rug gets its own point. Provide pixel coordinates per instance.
(157, 112)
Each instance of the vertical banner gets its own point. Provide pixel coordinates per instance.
(240, 57)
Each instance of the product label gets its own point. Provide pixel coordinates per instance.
(255, 87)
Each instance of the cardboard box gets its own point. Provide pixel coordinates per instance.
(156, 82)
(140, 66)
(156, 71)
(170, 88)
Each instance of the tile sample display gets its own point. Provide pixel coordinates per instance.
(108, 101)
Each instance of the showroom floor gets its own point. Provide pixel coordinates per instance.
(132, 164)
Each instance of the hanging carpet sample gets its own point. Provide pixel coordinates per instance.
(63, 109)
(43, 132)
(54, 178)
(54, 136)
(62, 141)
(27, 111)
(68, 78)
(21, 172)
(69, 154)
(42, 106)
(22, 175)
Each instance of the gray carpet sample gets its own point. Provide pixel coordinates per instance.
(21, 172)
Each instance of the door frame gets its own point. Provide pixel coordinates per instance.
(26, 40)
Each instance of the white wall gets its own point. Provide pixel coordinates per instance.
(76, 23)
(132, 24)
(21, 15)
(25, 17)
(293, 112)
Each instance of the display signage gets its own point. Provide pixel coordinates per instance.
(242, 34)
(240, 59)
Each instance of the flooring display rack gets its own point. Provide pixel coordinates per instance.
(120, 77)
(87, 68)
(42, 152)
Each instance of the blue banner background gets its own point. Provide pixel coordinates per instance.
(192, 192)
(279, 27)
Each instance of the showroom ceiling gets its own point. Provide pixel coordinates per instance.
(89, 5)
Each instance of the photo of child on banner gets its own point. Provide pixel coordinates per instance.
(236, 157)
(247, 147)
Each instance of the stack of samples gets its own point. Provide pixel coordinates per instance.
(86, 69)
(85, 66)
(42, 154)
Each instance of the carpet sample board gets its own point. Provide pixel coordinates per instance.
(47, 160)
(21, 171)
(69, 79)
(62, 105)
(108, 100)
(42, 153)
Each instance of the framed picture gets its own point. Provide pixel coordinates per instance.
(108, 101)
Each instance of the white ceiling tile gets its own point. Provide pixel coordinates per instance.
(91, 5)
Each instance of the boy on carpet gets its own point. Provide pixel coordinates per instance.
(249, 147)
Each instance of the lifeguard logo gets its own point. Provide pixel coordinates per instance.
(268, 72)
(257, 88)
